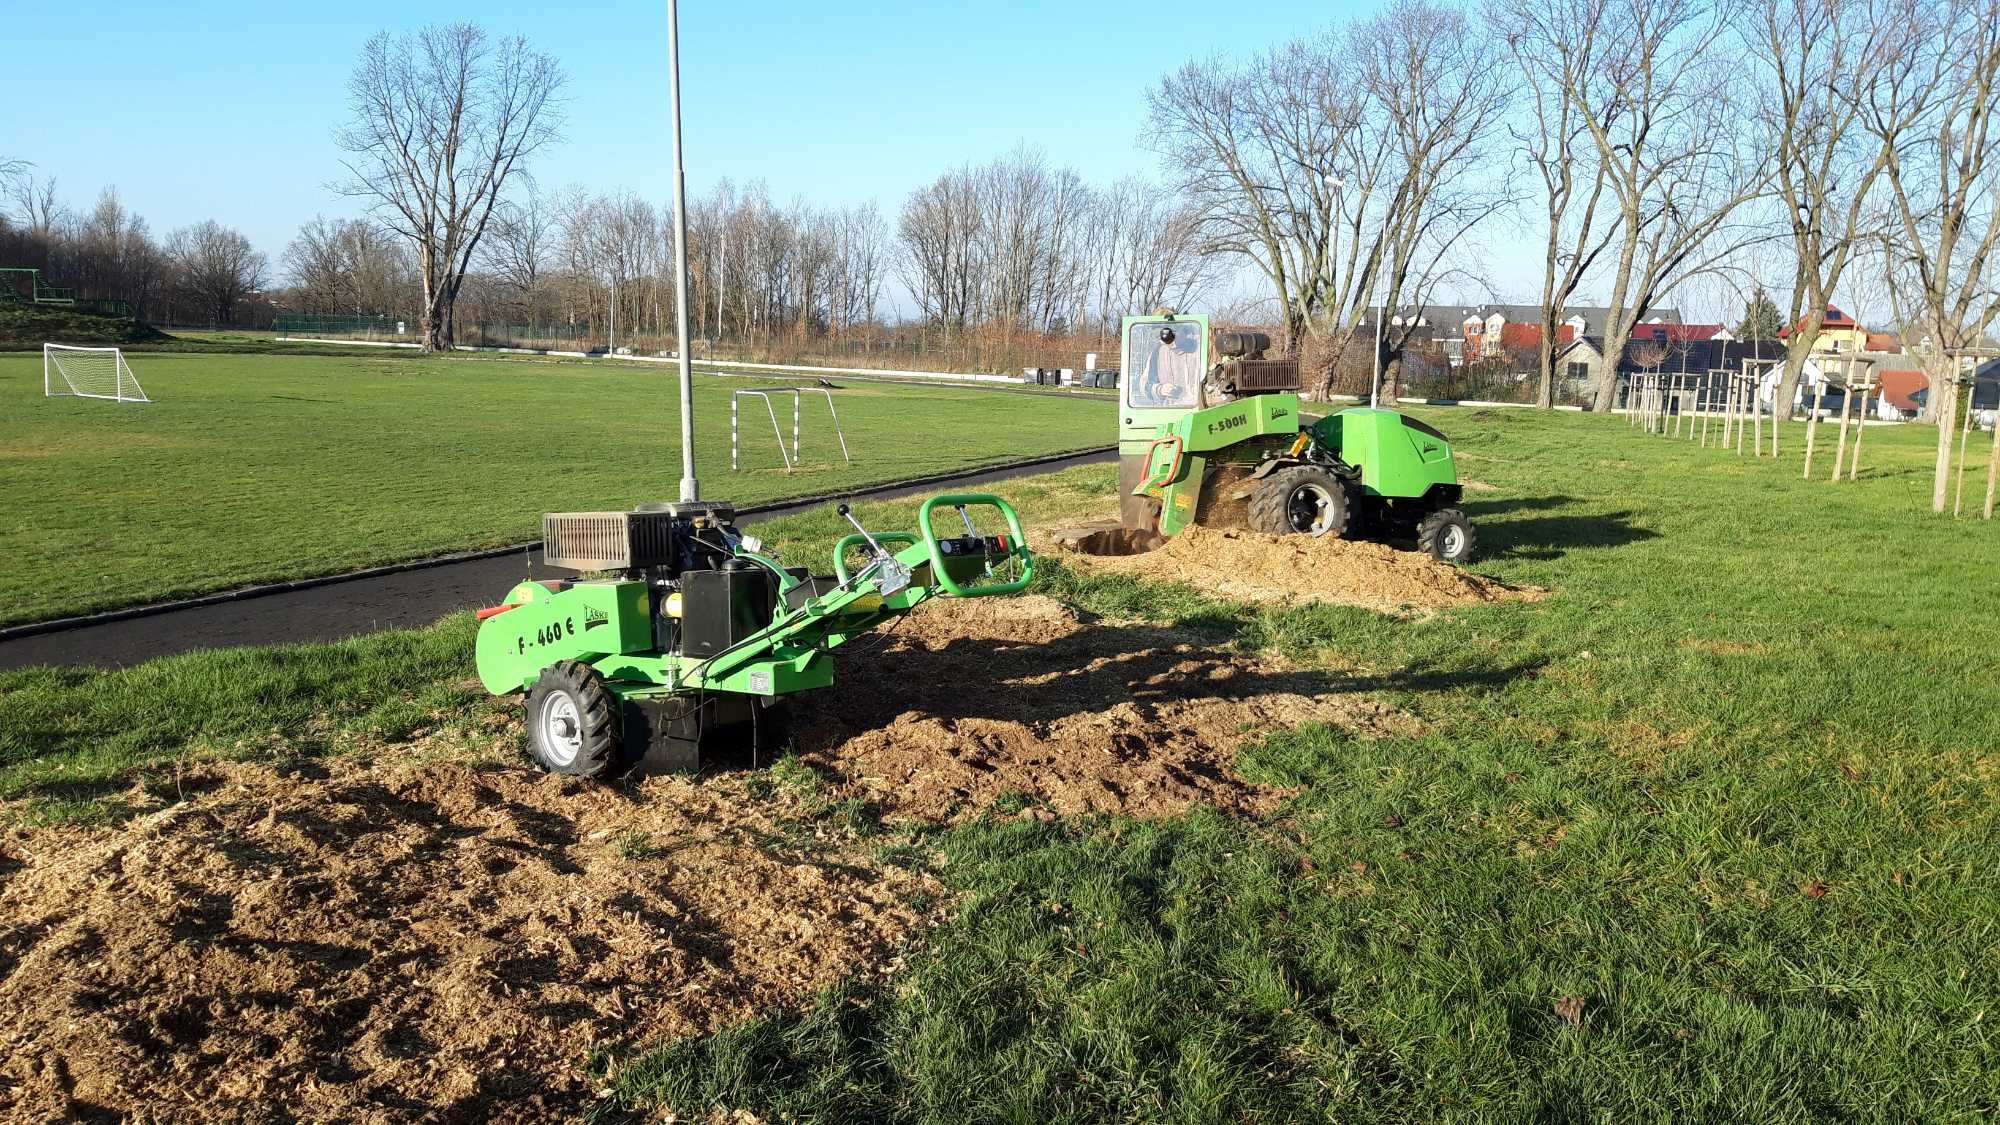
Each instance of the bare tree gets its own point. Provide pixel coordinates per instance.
(1254, 150)
(349, 266)
(1152, 254)
(13, 172)
(938, 231)
(862, 246)
(39, 208)
(520, 245)
(444, 120)
(1343, 164)
(1556, 51)
(1825, 63)
(1660, 108)
(216, 266)
(317, 265)
(1943, 186)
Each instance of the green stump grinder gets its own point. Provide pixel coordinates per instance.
(1220, 442)
(692, 644)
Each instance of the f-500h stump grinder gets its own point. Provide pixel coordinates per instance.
(1219, 442)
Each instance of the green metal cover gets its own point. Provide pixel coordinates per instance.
(586, 621)
(1399, 457)
(1176, 457)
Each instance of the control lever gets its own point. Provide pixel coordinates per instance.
(888, 575)
(972, 533)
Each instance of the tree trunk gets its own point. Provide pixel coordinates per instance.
(1798, 349)
(436, 324)
(1944, 404)
(1545, 395)
(1617, 325)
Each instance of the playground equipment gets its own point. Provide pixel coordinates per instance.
(791, 459)
(1222, 444)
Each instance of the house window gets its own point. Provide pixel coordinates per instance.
(1577, 371)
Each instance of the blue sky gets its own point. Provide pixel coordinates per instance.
(224, 110)
(211, 109)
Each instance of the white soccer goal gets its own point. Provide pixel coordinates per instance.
(89, 373)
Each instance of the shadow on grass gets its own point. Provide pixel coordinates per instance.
(1105, 665)
(1478, 508)
(1551, 537)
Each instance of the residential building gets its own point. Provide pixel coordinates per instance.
(1839, 333)
(1581, 365)
(1901, 392)
(1490, 330)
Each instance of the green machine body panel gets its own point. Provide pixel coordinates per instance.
(1177, 455)
(1399, 457)
(580, 621)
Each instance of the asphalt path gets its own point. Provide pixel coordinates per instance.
(402, 597)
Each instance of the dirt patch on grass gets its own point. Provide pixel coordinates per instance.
(1277, 568)
(1023, 701)
(434, 938)
(438, 942)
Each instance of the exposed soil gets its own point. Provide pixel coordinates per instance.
(1023, 697)
(434, 942)
(413, 938)
(1276, 568)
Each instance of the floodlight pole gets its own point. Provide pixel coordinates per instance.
(690, 487)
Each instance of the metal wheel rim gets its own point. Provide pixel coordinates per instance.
(1452, 540)
(1310, 509)
(562, 728)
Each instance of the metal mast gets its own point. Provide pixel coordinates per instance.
(690, 487)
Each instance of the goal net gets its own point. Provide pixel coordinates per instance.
(89, 373)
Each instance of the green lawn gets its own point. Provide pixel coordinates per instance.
(255, 467)
(1711, 833)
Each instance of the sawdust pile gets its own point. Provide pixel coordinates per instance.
(438, 942)
(974, 700)
(1274, 568)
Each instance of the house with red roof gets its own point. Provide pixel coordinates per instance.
(1903, 391)
(1840, 333)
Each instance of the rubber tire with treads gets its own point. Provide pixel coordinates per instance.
(1434, 536)
(1270, 502)
(601, 753)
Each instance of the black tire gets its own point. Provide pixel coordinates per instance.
(1445, 535)
(1301, 499)
(573, 696)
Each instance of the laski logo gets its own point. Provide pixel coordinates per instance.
(592, 618)
(1277, 414)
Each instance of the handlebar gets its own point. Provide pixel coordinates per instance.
(1170, 472)
(1017, 544)
(857, 539)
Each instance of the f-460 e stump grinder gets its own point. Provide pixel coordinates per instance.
(700, 636)
(1220, 443)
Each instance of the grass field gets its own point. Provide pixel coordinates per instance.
(1711, 833)
(249, 467)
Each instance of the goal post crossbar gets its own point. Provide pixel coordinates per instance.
(87, 372)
